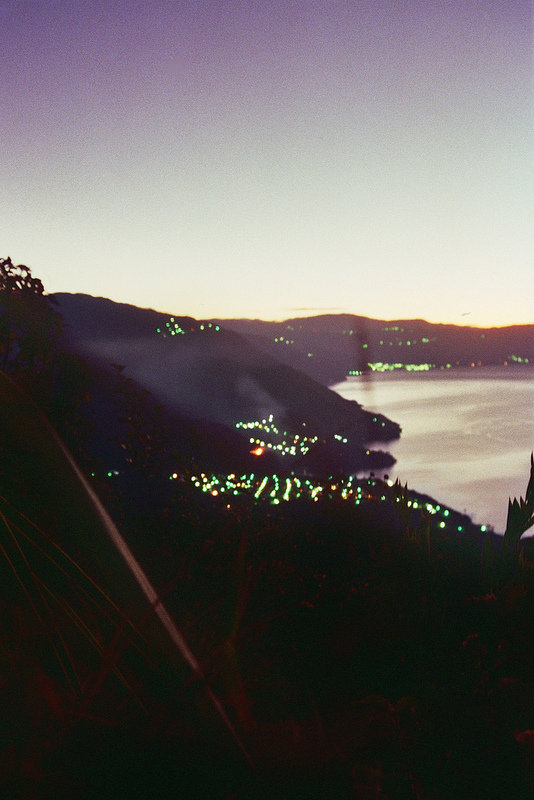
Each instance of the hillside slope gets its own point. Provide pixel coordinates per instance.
(207, 372)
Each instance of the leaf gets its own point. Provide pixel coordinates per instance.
(400, 497)
(520, 514)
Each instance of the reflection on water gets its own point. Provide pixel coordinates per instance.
(467, 434)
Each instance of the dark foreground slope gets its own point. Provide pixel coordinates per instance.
(356, 658)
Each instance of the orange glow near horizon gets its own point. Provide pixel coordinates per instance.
(379, 174)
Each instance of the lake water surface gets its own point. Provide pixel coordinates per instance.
(467, 434)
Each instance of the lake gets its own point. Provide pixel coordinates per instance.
(467, 434)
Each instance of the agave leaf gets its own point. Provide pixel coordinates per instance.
(50, 470)
(401, 496)
(520, 514)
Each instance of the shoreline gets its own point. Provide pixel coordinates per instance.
(479, 372)
(467, 433)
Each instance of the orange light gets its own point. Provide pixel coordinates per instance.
(257, 451)
(214, 492)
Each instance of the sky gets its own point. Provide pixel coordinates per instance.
(273, 158)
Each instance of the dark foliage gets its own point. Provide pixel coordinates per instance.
(30, 327)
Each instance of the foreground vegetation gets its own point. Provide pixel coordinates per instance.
(319, 649)
(355, 661)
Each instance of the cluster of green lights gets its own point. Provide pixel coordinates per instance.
(380, 366)
(400, 343)
(518, 359)
(268, 435)
(434, 509)
(219, 484)
(351, 332)
(174, 329)
(283, 340)
(395, 328)
(408, 342)
(276, 489)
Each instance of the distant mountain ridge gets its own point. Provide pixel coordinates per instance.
(330, 346)
(206, 371)
(326, 347)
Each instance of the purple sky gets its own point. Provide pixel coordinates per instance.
(252, 158)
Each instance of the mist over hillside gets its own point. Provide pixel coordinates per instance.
(207, 372)
(243, 373)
